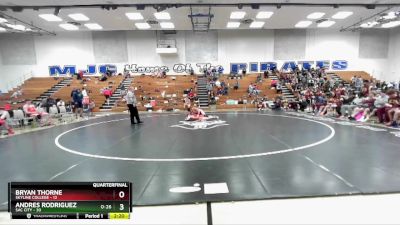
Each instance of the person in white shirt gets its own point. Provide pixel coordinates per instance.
(60, 103)
(84, 92)
(218, 84)
(131, 102)
(16, 94)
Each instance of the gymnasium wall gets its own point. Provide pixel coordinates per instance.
(23, 54)
(394, 55)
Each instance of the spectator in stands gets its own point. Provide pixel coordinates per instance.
(84, 92)
(191, 94)
(103, 77)
(394, 104)
(60, 103)
(47, 103)
(31, 111)
(274, 83)
(209, 88)
(191, 72)
(78, 103)
(220, 70)
(187, 102)
(131, 102)
(4, 115)
(218, 84)
(107, 92)
(16, 94)
(358, 83)
(80, 75)
(279, 88)
(396, 118)
(244, 72)
(237, 85)
(266, 74)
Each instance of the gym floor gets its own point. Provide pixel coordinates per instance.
(237, 156)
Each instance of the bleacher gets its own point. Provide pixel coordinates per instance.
(242, 93)
(147, 86)
(93, 87)
(31, 89)
(347, 75)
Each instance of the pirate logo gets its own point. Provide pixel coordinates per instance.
(204, 124)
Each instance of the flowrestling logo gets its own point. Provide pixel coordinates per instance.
(210, 123)
(91, 69)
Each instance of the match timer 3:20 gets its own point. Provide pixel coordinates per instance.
(70, 200)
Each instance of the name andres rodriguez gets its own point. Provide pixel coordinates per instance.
(46, 205)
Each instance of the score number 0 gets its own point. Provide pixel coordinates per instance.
(121, 194)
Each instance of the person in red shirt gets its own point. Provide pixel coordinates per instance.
(3, 122)
(107, 93)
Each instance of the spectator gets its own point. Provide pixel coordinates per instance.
(3, 122)
(107, 92)
(78, 103)
(16, 94)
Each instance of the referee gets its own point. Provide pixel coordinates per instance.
(131, 102)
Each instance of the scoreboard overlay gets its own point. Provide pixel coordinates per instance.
(70, 200)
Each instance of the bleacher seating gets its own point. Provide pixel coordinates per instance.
(347, 75)
(241, 93)
(172, 87)
(93, 87)
(31, 89)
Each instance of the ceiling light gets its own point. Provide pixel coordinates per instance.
(93, 26)
(78, 17)
(264, 15)
(327, 23)
(391, 24)
(16, 26)
(134, 16)
(303, 24)
(2, 29)
(237, 15)
(162, 15)
(315, 15)
(257, 24)
(390, 16)
(369, 24)
(233, 25)
(2, 20)
(342, 15)
(142, 26)
(67, 26)
(50, 17)
(167, 25)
